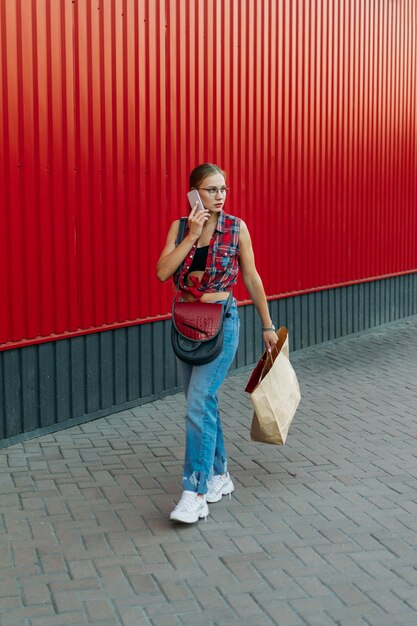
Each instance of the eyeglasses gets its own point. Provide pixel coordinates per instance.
(213, 191)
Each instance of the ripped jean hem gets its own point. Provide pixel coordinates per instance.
(198, 481)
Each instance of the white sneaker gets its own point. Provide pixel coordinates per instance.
(218, 486)
(190, 508)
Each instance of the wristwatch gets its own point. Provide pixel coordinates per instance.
(265, 329)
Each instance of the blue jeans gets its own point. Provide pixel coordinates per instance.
(205, 453)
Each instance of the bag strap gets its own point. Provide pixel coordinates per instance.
(228, 304)
(181, 230)
(180, 236)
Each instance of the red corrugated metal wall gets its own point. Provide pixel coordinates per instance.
(310, 105)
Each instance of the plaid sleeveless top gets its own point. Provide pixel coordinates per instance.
(222, 260)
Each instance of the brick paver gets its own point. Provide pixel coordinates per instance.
(319, 532)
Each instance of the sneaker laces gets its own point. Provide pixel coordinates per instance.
(216, 481)
(188, 501)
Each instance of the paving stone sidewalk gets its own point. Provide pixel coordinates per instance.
(319, 532)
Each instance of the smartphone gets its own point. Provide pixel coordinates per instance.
(194, 198)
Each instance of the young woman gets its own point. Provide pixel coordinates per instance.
(216, 245)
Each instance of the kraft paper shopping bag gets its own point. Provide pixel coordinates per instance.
(274, 392)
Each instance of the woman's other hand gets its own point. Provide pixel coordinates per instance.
(270, 339)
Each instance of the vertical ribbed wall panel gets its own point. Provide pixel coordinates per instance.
(38, 263)
(106, 105)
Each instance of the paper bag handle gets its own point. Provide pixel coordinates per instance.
(282, 334)
(266, 361)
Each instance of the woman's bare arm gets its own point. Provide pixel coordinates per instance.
(253, 284)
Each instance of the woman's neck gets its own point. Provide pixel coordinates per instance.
(213, 217)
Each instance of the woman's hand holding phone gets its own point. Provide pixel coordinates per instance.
(196, 220)
(198, 215)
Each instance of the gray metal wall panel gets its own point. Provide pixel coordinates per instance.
(78, 377)
(146, 367)
(30, 389)
(63, 380)
(329, 321)
(376, 293)
(47, 379)
(319, 305)
(12, 393)
(3, 434)
(169, 361)
(132, 376)
(289, 323)
(412, 301)
(156, 356)
(120, 365)
(92, 370)
(364, 300)
(107, 370)
(307, 321)
(403, 295)
(248, 348)
(53, 385)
